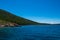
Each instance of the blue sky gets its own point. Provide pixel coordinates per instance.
(46, 11)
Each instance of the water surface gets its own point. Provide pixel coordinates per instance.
(31, 32)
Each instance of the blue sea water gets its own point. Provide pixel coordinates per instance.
(31, 32)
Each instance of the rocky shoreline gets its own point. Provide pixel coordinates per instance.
(9, 25)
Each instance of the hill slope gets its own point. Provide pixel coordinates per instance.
(8, 17)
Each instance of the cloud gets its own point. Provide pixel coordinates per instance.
(44, 19)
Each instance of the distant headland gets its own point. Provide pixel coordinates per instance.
(8, 19)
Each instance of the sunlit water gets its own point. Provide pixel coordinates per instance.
(33, 32)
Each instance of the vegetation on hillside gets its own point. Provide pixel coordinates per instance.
(9, 17)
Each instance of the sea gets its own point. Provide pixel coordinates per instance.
(31, 32)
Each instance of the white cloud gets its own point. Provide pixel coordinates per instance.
(44, 20)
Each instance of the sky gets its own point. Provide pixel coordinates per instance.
(43, 11)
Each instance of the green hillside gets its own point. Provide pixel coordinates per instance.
(6, 17)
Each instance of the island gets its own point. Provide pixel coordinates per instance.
(8, 19)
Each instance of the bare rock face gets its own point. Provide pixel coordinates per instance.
(2, 25)
(9, 25)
